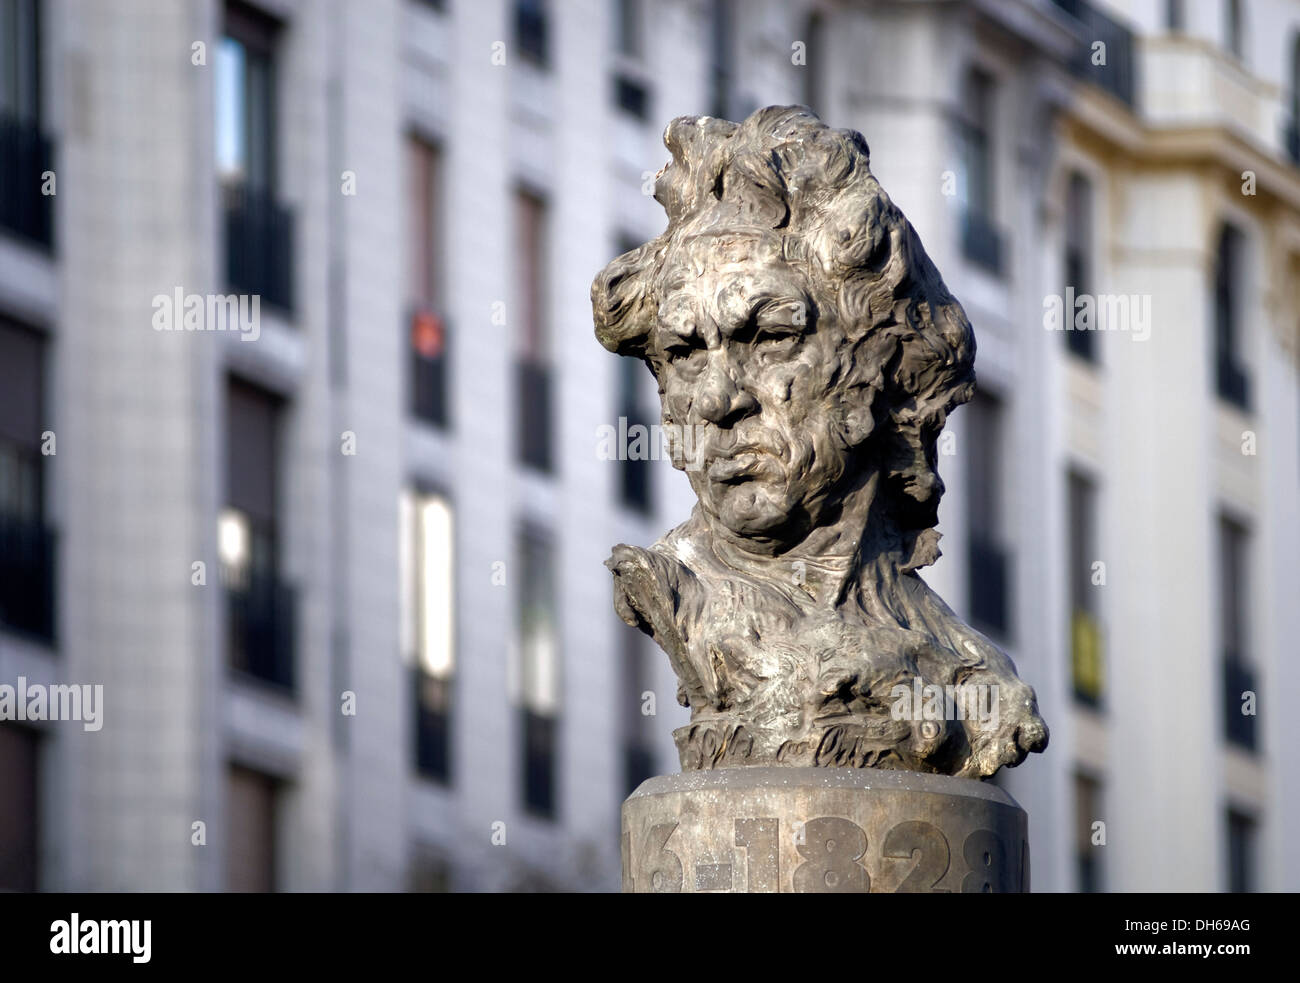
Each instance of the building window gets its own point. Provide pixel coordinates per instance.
(1235, 591)
(533, 368)
(1241, 852)
(538, 672)
(635, 487)
(428, 625)
(260, 606)
(1087, 662)
(20, 812)
(1175, 20)
(25, 153)
(251, 807)
(631, 80)
(429, 342)
(1233, 28)
(981, 241)
(1078, 261)
(1231, 380)
(636, 723)
(532, 31)
(1291, 135)
(721, 57)
(811, 74)
(989, 570)
(1087, 855)
(27, 574)
(258, 230)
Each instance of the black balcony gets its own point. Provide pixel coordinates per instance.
(27, 577)
(430, 369)
(259, 245)
(1118, 75)
(25, 154)
(432, 726)
(533, 400)
(989, 586)
(981, 243)
(1231, 382)
(1238, 678)
(261, 628)
(539, 733)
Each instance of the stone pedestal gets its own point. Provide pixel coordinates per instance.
(822, 829)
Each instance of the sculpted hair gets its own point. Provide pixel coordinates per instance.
(804, 193)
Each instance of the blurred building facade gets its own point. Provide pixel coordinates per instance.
(342, 582)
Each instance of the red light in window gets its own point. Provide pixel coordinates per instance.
(427, 334)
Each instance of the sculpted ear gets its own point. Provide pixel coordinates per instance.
(857, 416)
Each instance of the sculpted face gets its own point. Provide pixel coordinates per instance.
(745, 368)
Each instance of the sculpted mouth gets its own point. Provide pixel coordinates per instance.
(742, 465)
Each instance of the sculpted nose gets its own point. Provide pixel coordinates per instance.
(719, 400)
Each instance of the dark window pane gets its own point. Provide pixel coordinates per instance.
(25, 152)
(532, 30)
(627, 27)
(631, 97)
(432, 726)
(19, 808)
(250, 822)
(635, 475)
(539, 733)
(1078, 253)
(1087, 810)
(1241, 852)
(720, 59)
(1231, 381)
(989, 571)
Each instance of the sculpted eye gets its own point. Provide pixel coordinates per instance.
(687, 359)
(776, 343)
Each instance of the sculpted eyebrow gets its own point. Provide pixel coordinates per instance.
(785, 316)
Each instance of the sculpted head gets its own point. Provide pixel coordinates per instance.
(798, 331)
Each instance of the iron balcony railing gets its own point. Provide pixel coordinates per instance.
(259, 245)
(262, 628)
(25, 155)
(27, 576)
(1113, 67)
